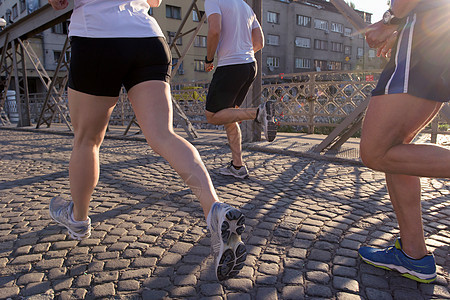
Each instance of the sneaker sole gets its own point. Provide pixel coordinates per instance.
(271, 128)
(403, 271)
(232, 259)
(234, 175)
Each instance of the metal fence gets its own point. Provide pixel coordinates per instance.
(307, 102)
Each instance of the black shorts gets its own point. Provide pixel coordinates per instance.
(100, 66)
(229, 86)
(420, 62)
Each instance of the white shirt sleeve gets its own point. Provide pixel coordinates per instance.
(255, 23)
(212, 7)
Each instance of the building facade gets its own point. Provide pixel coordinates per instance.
(312, 35)
(300, 36)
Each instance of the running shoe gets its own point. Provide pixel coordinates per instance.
(226, 225)
(266, 117)
(230, 170)
(393, 258)
(61, 212)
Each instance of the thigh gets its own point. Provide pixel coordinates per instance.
(151, 101)
(90, 114)
(395, 119)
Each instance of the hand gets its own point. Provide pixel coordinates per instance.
(378, 34)
(209, 67)
(58, 4)
(385, 49)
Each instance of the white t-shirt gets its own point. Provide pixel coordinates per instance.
(238, 21)
(113, 19)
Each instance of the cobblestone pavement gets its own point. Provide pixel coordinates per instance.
(305, 221)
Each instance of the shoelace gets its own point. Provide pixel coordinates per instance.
(389, 249)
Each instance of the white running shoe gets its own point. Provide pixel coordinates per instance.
(61, 212)
(226, 225)
(230, 170)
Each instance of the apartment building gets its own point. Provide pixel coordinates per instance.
(300, 36)
(312, 35)
(48, 44)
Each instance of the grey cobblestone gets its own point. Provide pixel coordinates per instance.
(305, 220)
(103, 290)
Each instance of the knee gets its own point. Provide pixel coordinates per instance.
(87, 140)
(160, 140)
(210, 118)
(370, 155)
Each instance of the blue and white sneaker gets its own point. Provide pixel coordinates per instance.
(61, 212)
(393, 258)
(226, 225)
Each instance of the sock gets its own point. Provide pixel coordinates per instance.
(72, 219)
(208, 218)
(237, 168)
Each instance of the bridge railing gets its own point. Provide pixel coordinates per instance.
(306, 102)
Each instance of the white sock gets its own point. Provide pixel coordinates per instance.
(72, 219)
(208, 218)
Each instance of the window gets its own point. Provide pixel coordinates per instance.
(150, 11)
(171, 36)
(199, 65)
(273, 39)
(360, 52)
(303, 63)
(303, 21)
(334, 65)
(320, 65)
(347, 67)
(173, 12)
(337, 47)
(57, 55)
(303, 42)
(320, 45)
(180, 70)
(320, 24)
(15, 13)
(372, 53)
(347, 31)
(23, 5)
(61, 28)
(368, 18)
(273, 61)
(273, 17)
(348, 50)
(337, 27)
(195, 16)
(200, 41)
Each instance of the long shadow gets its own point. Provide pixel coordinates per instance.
(273, 200)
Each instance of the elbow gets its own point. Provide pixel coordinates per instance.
(154, 3)
(258, 46)
(214, 33)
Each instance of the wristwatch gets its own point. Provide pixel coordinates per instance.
(208, 61)
(390, 19)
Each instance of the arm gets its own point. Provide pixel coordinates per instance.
(212, 41)
(402, 8)
(58, 4)
(154, 3)
(383, 37)
(257, 39)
